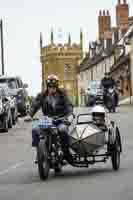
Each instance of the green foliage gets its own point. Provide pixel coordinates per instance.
(30, 99)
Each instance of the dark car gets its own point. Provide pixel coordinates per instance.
(94, 94)
(17, 89)
(5, 111)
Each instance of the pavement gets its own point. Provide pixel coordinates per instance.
(19, 178)
(126, 101)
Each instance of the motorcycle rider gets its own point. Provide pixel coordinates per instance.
(99, 117)
(108, 82)
(54, 103)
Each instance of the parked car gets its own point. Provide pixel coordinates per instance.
(13, 103)
(17, 89)
(94, 93)
(5, 111)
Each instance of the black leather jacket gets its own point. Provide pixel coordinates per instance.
(108, 83)
(62, 106)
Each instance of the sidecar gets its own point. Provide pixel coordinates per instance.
(91, 144)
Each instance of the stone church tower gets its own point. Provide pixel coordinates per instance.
(62, 60)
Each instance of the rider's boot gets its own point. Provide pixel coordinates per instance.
(68, 155)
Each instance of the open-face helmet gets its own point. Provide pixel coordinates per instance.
(98, 114)
(52, 81)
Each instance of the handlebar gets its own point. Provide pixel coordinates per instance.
(55, 119)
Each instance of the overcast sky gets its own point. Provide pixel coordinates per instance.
(25, 19)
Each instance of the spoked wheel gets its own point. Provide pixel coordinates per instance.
(116, 152)
(43, 162)
(110, 105)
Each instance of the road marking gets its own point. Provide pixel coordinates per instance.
(11, 168)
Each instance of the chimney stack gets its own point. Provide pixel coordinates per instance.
(104, 23)
(122, 14)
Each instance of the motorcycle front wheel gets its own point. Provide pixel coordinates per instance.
(43, 162)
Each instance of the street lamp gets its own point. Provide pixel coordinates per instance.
(2, 47)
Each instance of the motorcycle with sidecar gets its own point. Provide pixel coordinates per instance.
(86, 142)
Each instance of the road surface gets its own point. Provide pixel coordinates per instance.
(19, 175)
